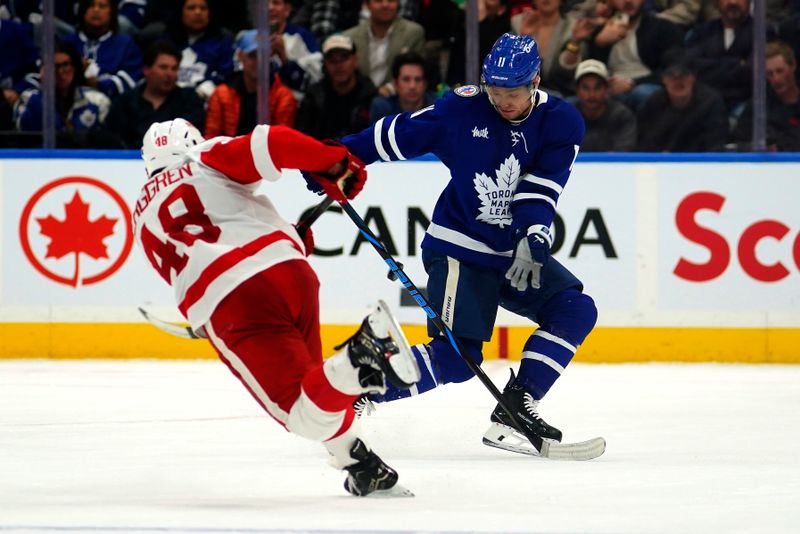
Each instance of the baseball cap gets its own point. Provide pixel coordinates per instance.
(591, 66)
(338, 42)
(678, 62)
(247, 41)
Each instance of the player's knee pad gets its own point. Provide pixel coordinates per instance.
(570, 315)
(450, 366)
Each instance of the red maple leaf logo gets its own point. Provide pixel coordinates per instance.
(76, 234)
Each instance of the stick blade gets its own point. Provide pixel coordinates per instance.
(183, 331)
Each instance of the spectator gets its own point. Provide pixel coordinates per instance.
(493, 21)
(295, 51)
(685, 116)
(723, 48)
(131, 16)
(783, 103)
(632, 44)
(338, 104)
(552, 31)
(29, 14)
(682, 13)
(233, 108)
(112, 61)
(206, 53)
(14, 67)
(147, 19)
(381, 38)
(409, 77)
(78, 108)
(158, 99)
(610, 125)
(333, 16)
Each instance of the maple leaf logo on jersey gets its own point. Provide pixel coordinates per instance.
(76, 234)
(496, 195)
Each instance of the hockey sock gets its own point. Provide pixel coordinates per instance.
(566, 319)
(439, 364)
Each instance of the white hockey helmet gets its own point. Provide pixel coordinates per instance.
(166, 142)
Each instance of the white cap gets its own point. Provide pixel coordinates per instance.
(338, 42)
(591, 66)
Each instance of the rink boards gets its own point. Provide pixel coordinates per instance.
(691, 259)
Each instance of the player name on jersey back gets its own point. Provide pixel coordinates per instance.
(158, 183)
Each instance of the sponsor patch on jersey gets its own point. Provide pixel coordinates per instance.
(467, 90)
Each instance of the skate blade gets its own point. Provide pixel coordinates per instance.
(504, 437)
(398, 490)
(403, 364)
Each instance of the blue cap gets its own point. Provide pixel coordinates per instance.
(247, 41)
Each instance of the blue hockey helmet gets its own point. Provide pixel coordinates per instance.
(513, 61)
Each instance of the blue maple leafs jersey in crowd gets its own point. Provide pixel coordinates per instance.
(503, 176)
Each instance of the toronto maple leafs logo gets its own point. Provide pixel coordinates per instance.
(496, 195)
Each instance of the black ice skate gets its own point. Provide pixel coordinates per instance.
(505, 434)
(380, 349)
(370, 476)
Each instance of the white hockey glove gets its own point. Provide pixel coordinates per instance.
(530, 257)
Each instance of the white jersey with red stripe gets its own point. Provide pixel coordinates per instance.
(203, 228)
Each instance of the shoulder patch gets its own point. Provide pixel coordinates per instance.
(467, 90)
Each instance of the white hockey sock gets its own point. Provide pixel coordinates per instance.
(339, 447)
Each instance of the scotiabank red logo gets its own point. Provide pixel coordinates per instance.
(76, 231)
(720, 249)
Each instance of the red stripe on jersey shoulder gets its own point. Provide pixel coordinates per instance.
(225, 262)
(234, 159)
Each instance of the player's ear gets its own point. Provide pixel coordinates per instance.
(535, 82)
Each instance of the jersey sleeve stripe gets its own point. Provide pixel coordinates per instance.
(377, 129)
(533, 196)
(225, 262)
(393, 140)
(555, 186)
(259, 147)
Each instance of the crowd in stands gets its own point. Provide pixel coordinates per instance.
(647, 75)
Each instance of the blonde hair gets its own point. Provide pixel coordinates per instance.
(780, 48)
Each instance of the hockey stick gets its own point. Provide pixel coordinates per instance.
(181, 330)
(542, 447)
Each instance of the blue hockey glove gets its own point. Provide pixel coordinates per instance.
(311, 184)
(530, 257)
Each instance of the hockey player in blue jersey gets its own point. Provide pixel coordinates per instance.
(510, 149)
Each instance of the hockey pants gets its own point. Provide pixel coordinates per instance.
(267, 332)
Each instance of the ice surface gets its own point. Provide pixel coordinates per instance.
(180, 447)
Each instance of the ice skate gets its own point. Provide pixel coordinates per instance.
(379, 348)
(370, 476)
(504, 434)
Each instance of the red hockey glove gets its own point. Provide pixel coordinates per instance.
(350, 180)
(308, 239)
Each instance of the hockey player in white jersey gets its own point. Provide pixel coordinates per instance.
(241, 278)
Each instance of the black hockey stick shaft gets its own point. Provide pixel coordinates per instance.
(310, 217)
(423, 303)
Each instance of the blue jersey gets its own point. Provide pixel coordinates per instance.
(88, 111)
(209, 58)
(504, 175)
(117, 57)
